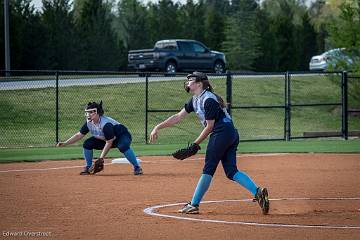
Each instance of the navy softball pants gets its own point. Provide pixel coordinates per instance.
(122, 143)
(222, 147)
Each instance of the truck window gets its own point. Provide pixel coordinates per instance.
(166, 45)
(198, 48)
(159, 45)
(170, 45)
(186, 47)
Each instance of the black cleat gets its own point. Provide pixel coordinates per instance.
(263, 199)
(138, 170)
(85, 171)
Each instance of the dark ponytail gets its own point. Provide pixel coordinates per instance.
(208, 87)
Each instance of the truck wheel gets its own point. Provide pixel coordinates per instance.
(219, 67)
(170, 67)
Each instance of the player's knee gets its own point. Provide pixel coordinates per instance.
(230, 173)
(209, 170)
(88, 144)
(211, 173)
(123, 147)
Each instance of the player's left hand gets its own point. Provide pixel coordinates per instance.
(183, 153)
(60, 144)
(97, 166)
(154, 135)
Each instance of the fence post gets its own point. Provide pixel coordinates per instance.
(287, 131)
(146, 107)
(229, 91)
(57, 105)
(344, 101)
(7, 38)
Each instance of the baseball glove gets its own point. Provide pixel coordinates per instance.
(183, 153)
(97, 166)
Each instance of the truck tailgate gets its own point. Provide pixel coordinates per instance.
(140, 54)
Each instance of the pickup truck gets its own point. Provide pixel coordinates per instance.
(171, 56)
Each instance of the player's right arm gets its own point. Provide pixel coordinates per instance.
(76, 137)
(174, 119)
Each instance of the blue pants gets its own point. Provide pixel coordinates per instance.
(222, 146)
(121, 142)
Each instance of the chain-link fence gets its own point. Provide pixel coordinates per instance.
(353, 106)
(315, 103)
(258, 105)
(166, 96)
(39, 108)
(28, 109)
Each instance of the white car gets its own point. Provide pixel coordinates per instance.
(330, 58)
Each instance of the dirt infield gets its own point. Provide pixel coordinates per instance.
(314, 196)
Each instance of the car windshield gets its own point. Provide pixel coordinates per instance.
(334, 52)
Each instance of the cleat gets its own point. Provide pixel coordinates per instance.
(263, 199)
(85, 171)
(138, 170)
(189, 209)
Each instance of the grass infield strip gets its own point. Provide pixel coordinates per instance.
(75, 152)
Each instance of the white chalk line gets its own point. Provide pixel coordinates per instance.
(43, 169)
(152, 161)
(151, 211)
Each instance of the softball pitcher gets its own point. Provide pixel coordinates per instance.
(224, 139)
(106, 133)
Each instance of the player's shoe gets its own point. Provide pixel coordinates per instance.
(262, 198)
(189, 209)
(85, 171)
(138, 170)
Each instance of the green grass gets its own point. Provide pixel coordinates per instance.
(298, 146)
(28, 116)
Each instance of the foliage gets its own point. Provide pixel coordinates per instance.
(242, 36)
(60, 38)
(98, 46)
(214, 26)
(131, 24)
(287, 38)
(344, 33)
(272, 35)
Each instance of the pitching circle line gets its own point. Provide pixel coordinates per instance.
(151, 211)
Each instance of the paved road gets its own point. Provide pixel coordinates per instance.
(30, 84)
(16, 85)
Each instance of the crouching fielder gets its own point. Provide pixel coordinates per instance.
(106, 133)
(223, 142)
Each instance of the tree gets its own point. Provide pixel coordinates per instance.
(131, 24)
(285, 35)
(163, 20)
(344, 33)
(27, 36)
(61, 41)
(2, 38)
(310, 43)
(214, 25)
(98, 43)
(242, 38)
(268, 59)
(191, 18)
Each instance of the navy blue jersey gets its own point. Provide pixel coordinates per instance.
(107, 128)
(207, 107)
